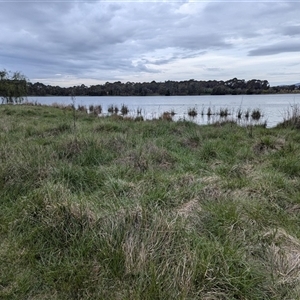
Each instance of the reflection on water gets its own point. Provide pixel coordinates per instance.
(208, 108)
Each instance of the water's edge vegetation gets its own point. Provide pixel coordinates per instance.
(117, 207)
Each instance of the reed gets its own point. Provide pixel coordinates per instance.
(167, 116)
(192, 112)
(113, 109)
(82, 108)
(256, 114)
(124, 110)
(223, 113)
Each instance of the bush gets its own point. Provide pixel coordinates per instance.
(192, 112)
(13, 87)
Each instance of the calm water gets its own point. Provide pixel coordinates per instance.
(273, 107)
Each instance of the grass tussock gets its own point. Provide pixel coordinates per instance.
(192, 112)
(291, 117)
(120, 208)
(167, 116)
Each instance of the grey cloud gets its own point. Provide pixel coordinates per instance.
(174, 57)
(275, 49)
(159, 62)
(94, 37)
(291, 30)
(143, 68)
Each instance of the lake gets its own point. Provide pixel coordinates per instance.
(273, 107)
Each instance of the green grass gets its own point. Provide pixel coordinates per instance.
(118, 209)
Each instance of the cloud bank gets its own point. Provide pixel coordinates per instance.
(87, 42)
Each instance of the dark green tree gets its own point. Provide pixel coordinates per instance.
(13, 87)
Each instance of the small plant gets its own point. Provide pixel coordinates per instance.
(239, 113)
(247, 114)
(138, 111)
(172, 112)
(209, 112)
(82, 108)
(73, 99)
(192, 112)
(124, 110)
(256, 114)
(113, 109)
(224, 112)
(139, 119)
(291, 117)
(110, 109)
(166, 116)
(97, 109)
(91, 108)
(250, 130)
(202, 111)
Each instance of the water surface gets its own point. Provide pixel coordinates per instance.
(273, 107)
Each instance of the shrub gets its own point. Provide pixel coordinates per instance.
(97, 109)
(124, 110)
(256, 114)
(192, 112)
(13, 87)
(239, 113)
(166, 116)
(224, 112)
(82, 108)
(113, 109)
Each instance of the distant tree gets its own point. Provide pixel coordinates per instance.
(169, 88)
(13, 87)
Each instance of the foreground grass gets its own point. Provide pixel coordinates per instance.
(117, 209)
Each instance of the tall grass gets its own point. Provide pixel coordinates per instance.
(124, 110)
(291, 117)
(192, 112)
(146, 210)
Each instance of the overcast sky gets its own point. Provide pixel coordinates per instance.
(73, 42)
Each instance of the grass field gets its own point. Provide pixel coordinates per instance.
(113, 208)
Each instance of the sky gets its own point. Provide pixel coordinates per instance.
(71, 42)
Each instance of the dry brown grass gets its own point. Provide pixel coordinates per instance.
(283, 256)
(189, 208)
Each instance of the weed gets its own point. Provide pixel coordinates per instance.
(113, 109)
(82, 108)
(98, 109)
(124, 110)
(167, 116)
(139, 119)
(209, 112)
(247, 114)
(256, 114)
(291, 117)
(224, 113)
(192, 112)
(239, 113)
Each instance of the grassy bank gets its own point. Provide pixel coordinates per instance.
(120, 209)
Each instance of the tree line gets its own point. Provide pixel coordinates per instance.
(14, 87)
(168, 88)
